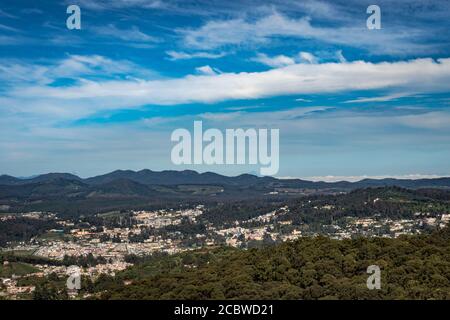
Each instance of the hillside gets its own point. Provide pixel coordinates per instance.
(412, 267)
(171, 178)
(67, 193)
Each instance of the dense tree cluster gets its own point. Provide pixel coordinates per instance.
(23, 229)
(28, 258)
(412, 267)
(50, 288)
(83, 261)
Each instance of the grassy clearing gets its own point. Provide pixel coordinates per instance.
(16, 268)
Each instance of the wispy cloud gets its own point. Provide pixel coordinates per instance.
(133, 34)
(8, 28)
(432, 120)
(276, 61)
(282, 60)
(302, 100)
(119, 4)
(11, 40)
(239, 31)
(180, 55)
(293, 79)
(32, 11)
(389, 97)
(207, 70)
(5, 14)
(19, 73)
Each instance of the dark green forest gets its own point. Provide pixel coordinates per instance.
(412, 267)
(23, 229)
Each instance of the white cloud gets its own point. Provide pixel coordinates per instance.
(293, 79)
(432, 120)
(220, 116)
(207, 71)
(109, 4)
(307, 57)
(282, 60)
(388, 97)
(73, 66)
(133, 34)
(320, 9)
(179, 55)
(238, 31)
(12, 71)
(276, 61)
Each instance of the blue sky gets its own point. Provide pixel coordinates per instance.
(349, 102)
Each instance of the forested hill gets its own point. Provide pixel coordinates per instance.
(412, 267)
(172, 178)
(146, 189)
(73, 198)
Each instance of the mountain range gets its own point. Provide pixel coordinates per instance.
(189, 177)
(125, 189)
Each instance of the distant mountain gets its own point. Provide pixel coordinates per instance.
(150, 177)
(125, 189)
(405, 183)
(8, 180)
(53, 176)
(170, 177)
(188, 177)
(57, 187)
